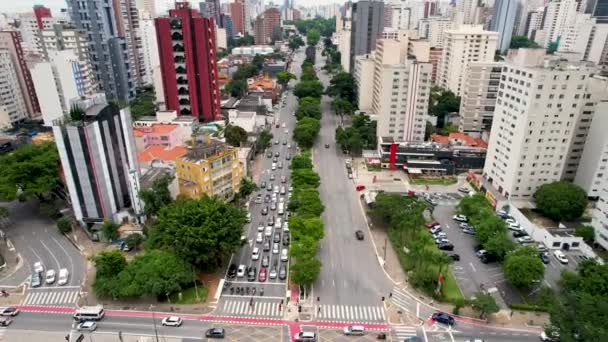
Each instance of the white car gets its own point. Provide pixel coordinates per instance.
(525, 239)
(87, 326)
(259, 238)
(515, 227)
(275, 248)
(286, 227)
(260, 227)
(50, 276)
(38, 267)
(511, 221)
(268, 232)
(460, 218)
(172, 321)
(240, 272)
(255, 255)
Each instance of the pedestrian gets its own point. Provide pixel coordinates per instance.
(390, 295)
(318, 299)
(319, 311)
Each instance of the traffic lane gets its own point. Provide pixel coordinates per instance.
(489, 333)
(42, 321)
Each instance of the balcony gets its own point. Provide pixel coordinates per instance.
(177, 36)
(184, 102)
(185, 111)
(179, 59)
(182, 91)
(182, 81)
(180, 70)
(176, 24)
(178, 48)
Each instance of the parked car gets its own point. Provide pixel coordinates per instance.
(359, 235)
(265, 261)
(435, 230)
(551, 337)
(283, 272)
(560, 256)
(38, 267)
(87, 326)
(460, 218)
(50, 276)
(262, 275)
(232, 271)
(444, 318)
(240, 272)
(432, 224)
(446, 247)
(502, 214)
(470, 231)
(215, 332)
(454, 257)
(305, 336)
(35, 280)
(172, 321)
(465, 225)
(525, 239)
(273, 273)
(251, 273)
(544, 257)
(440, 235)
(519, 234)
(464, 190)
(441, 241)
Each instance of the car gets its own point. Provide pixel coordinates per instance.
(275, 189)
(266, 246)
(525, 239)
(35, 280)
(502, 214)
(262, 275)
(270, 222)
(285, 141)
(272, 176)
(87, 326)
(430, 201)
(273, 273)
(443, 317)
(481, 253)
(460, 218)
(263, 184)
(265, 211)
(453, 256)
(50, 276)
(215, 333)
(326, 145)
(465, 225)
(38, 267)
(240, 272)
(258, 199)
(280, 165)
(275, 248)
(171, 321)
(268, 231)
(286, 239)
(283, 179)
(469, 231)
(432, 224)
(283, 272)
(560, 256)
(276, 142)
(9, 311)
(541, 247)
(305, 336)
(5, 321)
(435, 230)
(251, 273)
(544, 257)
(515, 227)
(274, 166)
(273, 206)
(442, 241)
(446, 247)
(350, 175)
(359, 235)
(413, 339)
(260, 226)
(354, 330)
(551, 337)
(259, 238)
(265, 261)
(464, 190)
(232, 271)
(511, 220)
(440, 235)
(255, 254)
(288, 156)
(276, 237)
(360, 187)
(519, 234)
(266, 198)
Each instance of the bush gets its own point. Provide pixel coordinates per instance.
(64, 225)
(529, 307)
(561, 201)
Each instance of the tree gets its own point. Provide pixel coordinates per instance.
(76, 113)
(134, 240)
(306, 203)
(312, 37)
(561, 201)
(247, 187)
(201, 231)
(301, 161)
(586, 232)
(305, 178)
(283, 77)
(64, 225)
(143, 104)
(303, 247)
(108, 265)
(473, 206)
(447, 129)
(237, 88)
(265, 139)
(442, 102)
(306, 132)
(30, 170)
(342, 106)
(305, 271)
(153, 274)
(487, 226)
(522, 42)
(110, 230)
(499, 245)
(295, 42)
(245, 40)
(523, 268)
(157, 196)
(306, 227)
(235, 135)
(343, 86)
(308, 72)
(308, 107)
(308, 88)
(485, 304)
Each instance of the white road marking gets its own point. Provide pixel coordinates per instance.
(472, 267)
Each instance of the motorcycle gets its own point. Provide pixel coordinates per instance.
(238, 290)
(242, 291)
(247, 289)
(232, 290)
(253, 291)
(261, 292)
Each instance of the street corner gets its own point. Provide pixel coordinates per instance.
(337, 335)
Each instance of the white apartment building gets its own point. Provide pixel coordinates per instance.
(364, 79)
(434, 28)
(344, 33)
(12, 104)
(534, 25)
(557, 16)
(539, 106)
(585, 37)
(478, 100)
(468, 43)
(467, 12)
(599, 222)
(401, 88)
(147, 32)
(30, 42)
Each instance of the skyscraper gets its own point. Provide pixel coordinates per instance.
(109, 52)
(367, 23)
(503, 21)
(237, 13)
(186, 46)
(41, 12)
(127, 25)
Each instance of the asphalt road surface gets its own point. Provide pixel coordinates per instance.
(351, 273)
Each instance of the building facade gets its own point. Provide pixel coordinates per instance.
(503, 21)
(41, 12)
(99, 162)
(128, 27)
(237, 14)
(12, 103)
(186, 46)
(462, 46)
(366, 24)
(479, 95)
(149, 49)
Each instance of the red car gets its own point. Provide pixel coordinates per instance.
(262, 275)
(360, 187)
(432, 224)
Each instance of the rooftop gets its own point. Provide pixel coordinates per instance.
(158, 152)
(459, 139)
(204, 149)
(154, 173)
(154, 129)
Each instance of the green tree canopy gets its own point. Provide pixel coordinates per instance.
(265, 139)
(306, 132)
(522, 42)
(308, 88)
(306, 203)
(475, 206)
(499, 245)
(247, 187)
(306, 227)
(301, 160)
(64, 225)
(523, 268)
(561, 201)
(442, 102)
(143, 104)
(30, 170)
(235, 135)
(303, 247)
(110, 230)
(325, 26)
(134, 240)
(487, 226)
(485, 304)
(587, 233)
(309, 107)
(312, 37)
(305, 271)
(108, 265)
(283, 77)
(341, 106)
(245, 71)
(295, 42)
(303, 178)
(157, 196)
(342, 86)
(201, 231)
(237, 88)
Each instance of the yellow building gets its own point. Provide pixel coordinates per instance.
(209, 167)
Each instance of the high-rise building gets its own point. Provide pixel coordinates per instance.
(468, 43)
(600, 11)
(28, 28)
(434, 28)
(267, 26)
(364, 79)
(63, 37)
(41, 12)
(149, 49)
(366, 24)
(542, 111)
(12, 103)
(127, 24)
(258, 30)
(503, 22)
(110, 54)
(534, 23)
(9, 41)
(467, 12)
(148, 7)
(401, 86)
(237, 14)
(557, 16)
(226, 23)
(99, 161)
(211, 9)
(480, 89)
(344, 32)
(186, 46)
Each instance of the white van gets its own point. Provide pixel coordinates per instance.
(560, 256)
(89, 313)
(281, 210)
(355, 330)
(64, 276)
(278, 224)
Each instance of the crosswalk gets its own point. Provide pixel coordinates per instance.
(402, 332)
(243, 307)
(51, 297)
(351, 313)
(401, 299)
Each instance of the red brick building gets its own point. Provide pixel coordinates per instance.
(237, 14)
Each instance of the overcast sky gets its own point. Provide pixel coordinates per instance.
(26, 5)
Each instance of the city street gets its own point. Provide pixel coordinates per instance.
(36, 238)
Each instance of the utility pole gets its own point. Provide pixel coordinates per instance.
(154, 322)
